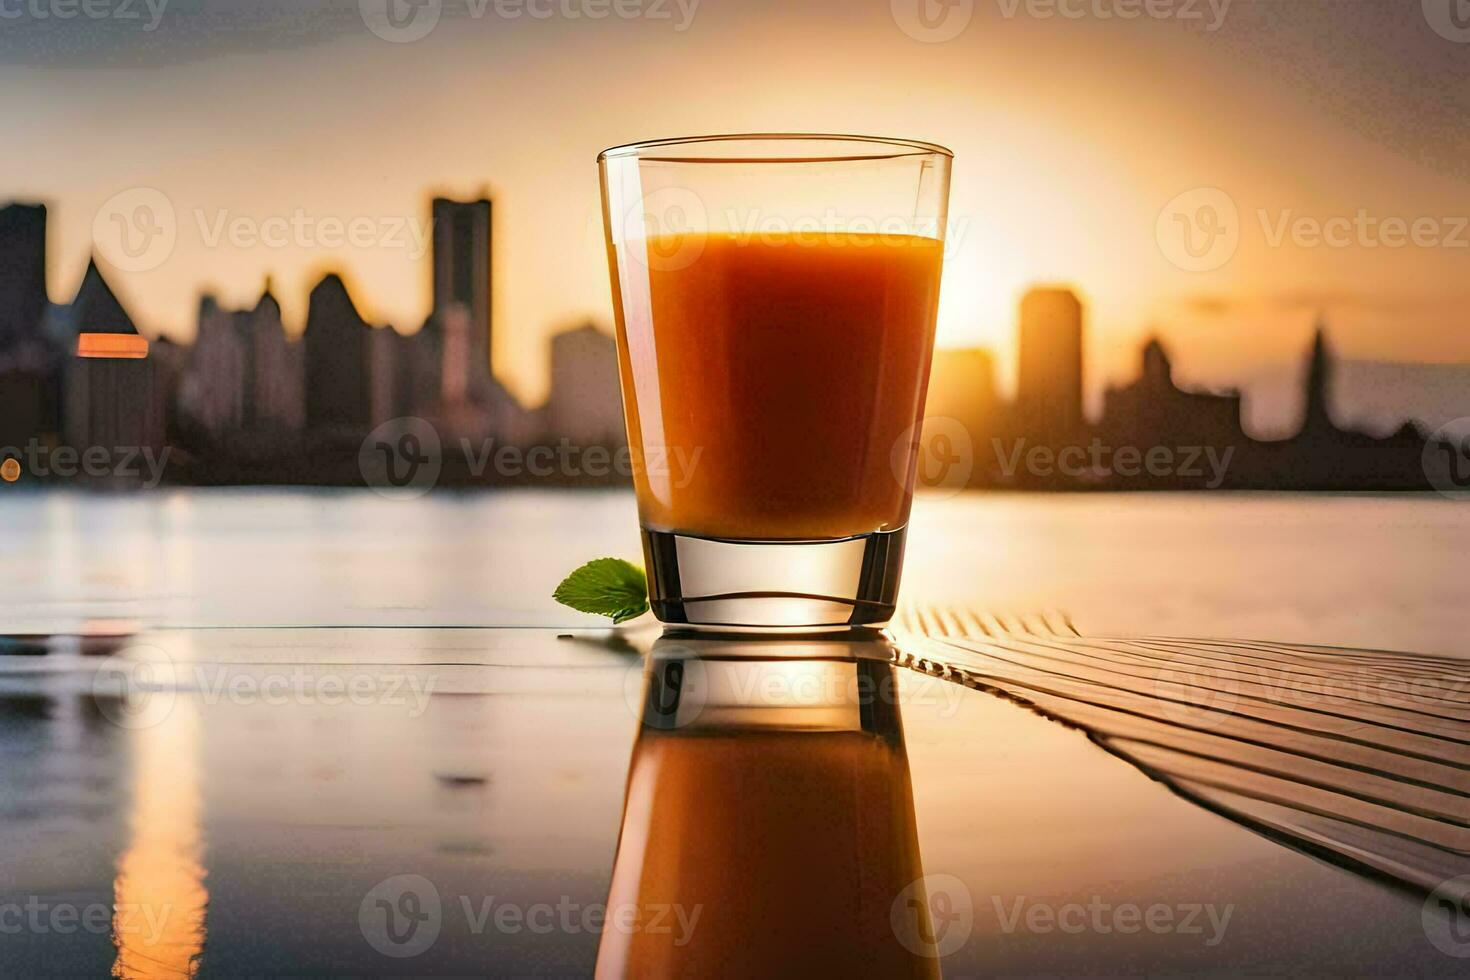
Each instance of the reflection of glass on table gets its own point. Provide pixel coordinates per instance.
(769, 818)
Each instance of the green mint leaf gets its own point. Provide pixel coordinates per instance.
(606, 587)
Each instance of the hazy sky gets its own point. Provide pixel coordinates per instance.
(1075, 136)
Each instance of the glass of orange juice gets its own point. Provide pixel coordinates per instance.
(775, 298)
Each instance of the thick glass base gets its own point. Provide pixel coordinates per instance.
(773, 584)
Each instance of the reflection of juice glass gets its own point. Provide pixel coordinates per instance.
(769, 822)
(775, 300)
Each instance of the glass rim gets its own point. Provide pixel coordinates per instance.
(873, 148)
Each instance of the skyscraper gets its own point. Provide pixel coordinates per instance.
(111, 397)
(462, 272)
(1316, 413)
(22, 273)
(277, 395)
(1049, 393)
(30, 385)
(338, 395)
(215, 390)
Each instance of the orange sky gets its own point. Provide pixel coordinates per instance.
(1071, 136)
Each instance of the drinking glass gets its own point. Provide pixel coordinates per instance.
(775, 299)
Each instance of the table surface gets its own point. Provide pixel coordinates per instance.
(307, 798)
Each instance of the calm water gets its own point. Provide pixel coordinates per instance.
(1366, 571)
(267, 820)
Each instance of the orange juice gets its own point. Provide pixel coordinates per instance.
(790, 372)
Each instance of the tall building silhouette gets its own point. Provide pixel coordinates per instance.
(30, 383)
(1316, 415)
(391, 359)
(112, 398)
(213, 395)
(22, 274)
(244, 375)
(277, 394)
(462, 274)
(1049, 391)
(338, 390)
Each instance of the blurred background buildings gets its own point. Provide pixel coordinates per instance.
(248, 404)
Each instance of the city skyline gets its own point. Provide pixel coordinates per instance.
(1377, 394)
(1154, 433)
(246, 403)
(1065, 159)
